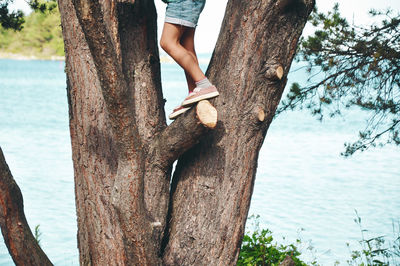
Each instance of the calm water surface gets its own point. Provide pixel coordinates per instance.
(302, 182)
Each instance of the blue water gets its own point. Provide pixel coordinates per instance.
(302, 182)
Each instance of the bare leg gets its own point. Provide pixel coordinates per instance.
(187, 41)
(171, 43)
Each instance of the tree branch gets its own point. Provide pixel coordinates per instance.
(361, 145)
(137, 33)
(183, 133)
(114, 87)
(22, 246)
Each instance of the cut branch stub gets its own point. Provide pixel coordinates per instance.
(274, 72)
(259, 112)
(207, 114)
(279, 72)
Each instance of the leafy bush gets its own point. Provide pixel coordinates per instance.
(258, 248)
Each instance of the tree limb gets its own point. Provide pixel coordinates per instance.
(22, 246)
(137, 31)
(183, 133)
(114, 87)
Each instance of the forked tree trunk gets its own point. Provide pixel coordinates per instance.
(123, 151)
(128, 213)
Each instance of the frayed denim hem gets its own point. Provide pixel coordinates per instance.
(179, 21)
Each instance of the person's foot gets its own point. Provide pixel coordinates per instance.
(177, 112)
(199, 94)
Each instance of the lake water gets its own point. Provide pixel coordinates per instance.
(302, 182)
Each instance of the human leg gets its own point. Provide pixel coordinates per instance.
(187, 41)
(170, 42)
(178, 41)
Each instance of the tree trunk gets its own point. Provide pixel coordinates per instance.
(213, 182)
(123, 151)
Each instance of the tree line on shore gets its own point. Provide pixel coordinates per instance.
(40, 35)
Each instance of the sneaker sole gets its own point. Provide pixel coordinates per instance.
(177, 113)
(200, 98)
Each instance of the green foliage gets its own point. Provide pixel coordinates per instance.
(37, 233)
(43, 5)
(10, 20)
(258, 248)
(376, 251)
(41, 35)
(15, 20)
(352, 66)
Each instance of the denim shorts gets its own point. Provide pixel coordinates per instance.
(184, 12)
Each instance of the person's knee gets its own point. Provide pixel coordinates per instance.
(165, 44)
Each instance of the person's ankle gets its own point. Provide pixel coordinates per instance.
(204, 83)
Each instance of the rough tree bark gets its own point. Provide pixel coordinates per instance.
(22, 246)
(129, 210)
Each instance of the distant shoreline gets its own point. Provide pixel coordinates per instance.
(13, 56)
(3, 55)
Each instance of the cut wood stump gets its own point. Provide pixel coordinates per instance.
(275, 72)
(260, 114)
(207, 114)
